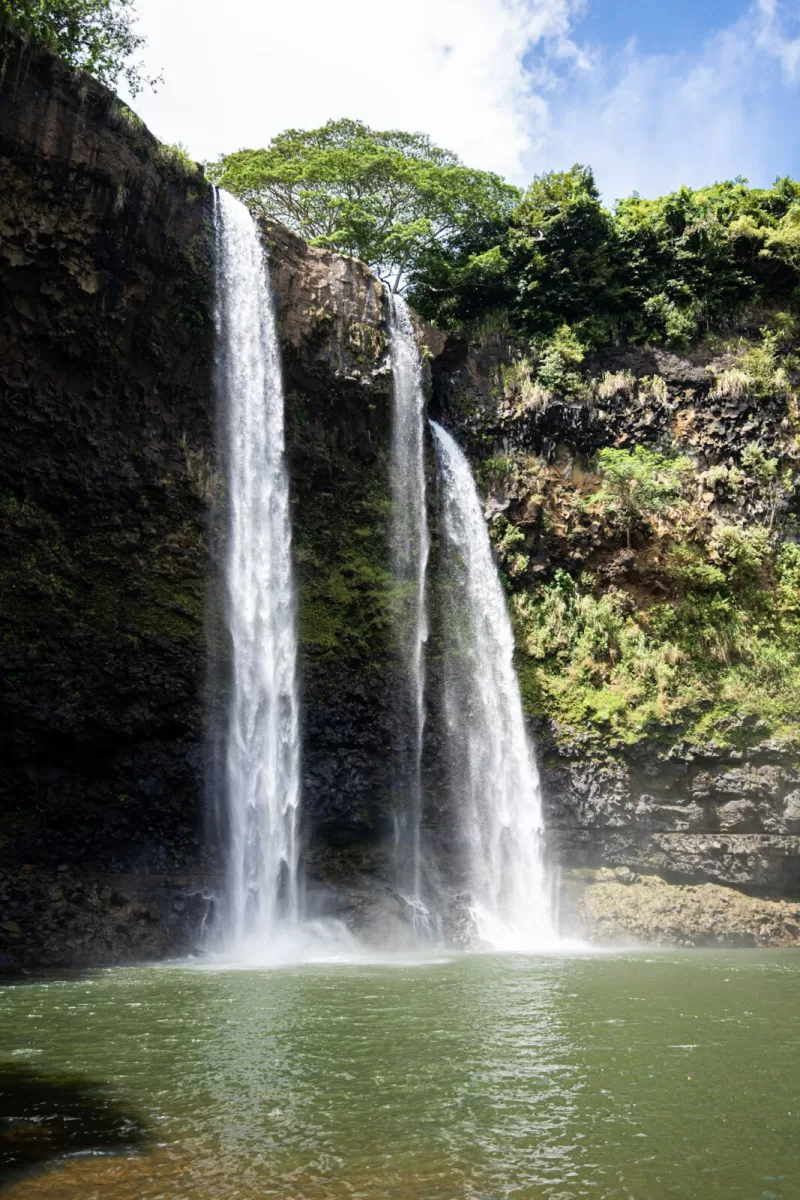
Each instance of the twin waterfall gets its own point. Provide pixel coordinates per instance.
(262, 760)
(493, 779)
(492, 769)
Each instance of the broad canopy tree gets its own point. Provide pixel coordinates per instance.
(393, 199)
(639, 484)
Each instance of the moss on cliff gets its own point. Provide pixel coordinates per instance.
(344, 582)
(658, 656)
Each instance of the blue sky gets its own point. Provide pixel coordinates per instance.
(652, 93)
(660, 94)
(659, 26)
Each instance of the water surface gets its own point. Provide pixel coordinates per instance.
(630, 1076)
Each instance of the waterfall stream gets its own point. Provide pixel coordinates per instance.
(494, 778)
(410, 545)
(492, 769)
(262, 781)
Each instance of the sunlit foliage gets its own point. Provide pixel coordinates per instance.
(97, 36)
(667, 270)
(393, 199)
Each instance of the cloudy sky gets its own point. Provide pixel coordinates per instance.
(651, 93)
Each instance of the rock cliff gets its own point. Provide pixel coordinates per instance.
(707, 792)
(112, 503)
(107, 436)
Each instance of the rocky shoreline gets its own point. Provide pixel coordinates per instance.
(621, 908)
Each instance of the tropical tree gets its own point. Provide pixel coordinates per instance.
(391, 198)
(664, 270)
(783, 242)
(97, 36)
(638, 484)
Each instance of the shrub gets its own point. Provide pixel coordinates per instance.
(654, 386)
(176, 158)
(508, 542)
(520, 386)
(766, 376)
(559, 357)
(731, 384)
(638, 484)
(775, 485)
(742, 552)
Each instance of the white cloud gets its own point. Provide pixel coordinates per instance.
(774, 37)
(504, 83)
(238, 74)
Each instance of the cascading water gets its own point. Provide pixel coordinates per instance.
(494, 776)
(262, 781)
(410, 546)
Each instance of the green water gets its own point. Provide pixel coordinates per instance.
(637, 1075)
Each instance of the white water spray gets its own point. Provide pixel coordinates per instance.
(262, 779)
(410, 546)
(493, 771)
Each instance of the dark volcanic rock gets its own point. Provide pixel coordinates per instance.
(110, 483)
(105, 478)
(690, 817)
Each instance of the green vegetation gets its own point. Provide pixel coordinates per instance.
(717, 651)
(699, 637)
(776, 484)
(553, 266)
(560, 356)
(638, 485)
(667, 270)
(393, 199)
(177, 157)
(97, 36)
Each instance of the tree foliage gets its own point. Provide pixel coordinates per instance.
(97, 36)
(665, 270)
(560, 250)
(639, 484)
(393, 199)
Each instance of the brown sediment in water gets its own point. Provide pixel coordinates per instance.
(162, 1173)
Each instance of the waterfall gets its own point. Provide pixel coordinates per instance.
(410, 547)
(262, 744)
(493, 771)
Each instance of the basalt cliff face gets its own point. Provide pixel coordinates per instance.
(113, 641)
(105, 354)
(113, 500)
